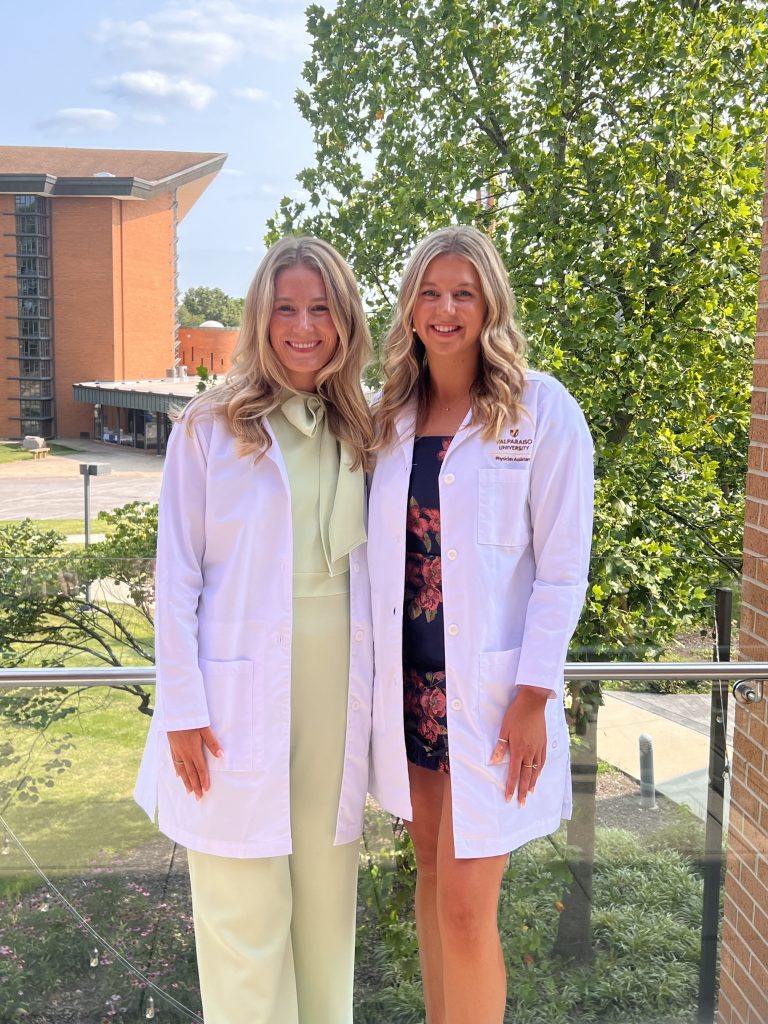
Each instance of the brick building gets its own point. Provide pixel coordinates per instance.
(88, 270)
(209, 345)
(744, 972)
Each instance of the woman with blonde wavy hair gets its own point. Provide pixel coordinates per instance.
(480, 525)
(257, 757)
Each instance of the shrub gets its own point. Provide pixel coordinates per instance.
(646, 919)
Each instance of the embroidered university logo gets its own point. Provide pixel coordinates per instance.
(511, 447)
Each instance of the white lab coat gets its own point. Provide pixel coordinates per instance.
(223, 628)
(516, 527)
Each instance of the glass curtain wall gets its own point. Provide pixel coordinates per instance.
(33, 315)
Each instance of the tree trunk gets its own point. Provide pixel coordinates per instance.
(574, 933)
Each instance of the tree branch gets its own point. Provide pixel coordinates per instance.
(725, 559)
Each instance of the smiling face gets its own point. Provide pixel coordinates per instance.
(301, 330)
(450, 310)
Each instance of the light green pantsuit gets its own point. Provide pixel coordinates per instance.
(275, 936)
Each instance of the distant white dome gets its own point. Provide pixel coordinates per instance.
(211, 323)
(103, 174)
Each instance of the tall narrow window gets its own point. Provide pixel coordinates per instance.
(34, 354)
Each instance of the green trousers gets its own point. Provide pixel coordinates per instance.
(275, 936)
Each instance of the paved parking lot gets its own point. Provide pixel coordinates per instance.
(52, 488)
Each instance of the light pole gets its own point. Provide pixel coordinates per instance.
(87, 470)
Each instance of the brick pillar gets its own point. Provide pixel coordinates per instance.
(744, 970)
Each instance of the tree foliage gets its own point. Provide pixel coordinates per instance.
(60, 606)
(57, 604)
(617, 147)
(200, 304)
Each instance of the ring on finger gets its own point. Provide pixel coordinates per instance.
(502, 740)
(534, 766)
(176, 760)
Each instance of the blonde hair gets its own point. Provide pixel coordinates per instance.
(497, 391)
(251, 390)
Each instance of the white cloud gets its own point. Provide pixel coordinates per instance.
(232, 172)
(252, 95)
(158, 43)
(81, 120)
(156, 85)
(206, 35)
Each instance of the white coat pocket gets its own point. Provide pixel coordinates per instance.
(236, 721)
(502, 507)
(496, 689)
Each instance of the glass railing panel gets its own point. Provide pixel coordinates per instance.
(94, 902)
(75, 609)
(601, 922)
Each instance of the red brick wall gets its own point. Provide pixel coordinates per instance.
(85, 324)
(148, 299)
(188, 195)
(114, 311)
(211, 346)
(744, 971)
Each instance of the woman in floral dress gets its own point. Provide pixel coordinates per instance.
(482, 497)
(426, 731)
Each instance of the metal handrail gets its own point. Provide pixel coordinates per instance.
(111, 675)
(104, 675)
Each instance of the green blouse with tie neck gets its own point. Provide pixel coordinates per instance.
(327, 496)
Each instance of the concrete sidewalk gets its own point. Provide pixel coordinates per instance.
(678, 725)
(122, 459)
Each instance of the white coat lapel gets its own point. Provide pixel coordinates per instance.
(405, 427)
(466, 430)
(275, 455)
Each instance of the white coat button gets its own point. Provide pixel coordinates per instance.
(355, 704)
(453, 554)
(554, 744)
(449, 478)
(453, 629)
(456, 705)
(355, 567)
(359, 635)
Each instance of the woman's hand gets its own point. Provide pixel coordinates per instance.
(524, 731)
(188, 754)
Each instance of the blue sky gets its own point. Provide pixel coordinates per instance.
(207, 75)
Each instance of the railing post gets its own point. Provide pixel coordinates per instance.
(647, 779)
(713, 840)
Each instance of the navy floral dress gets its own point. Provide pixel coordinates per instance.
(424, 701)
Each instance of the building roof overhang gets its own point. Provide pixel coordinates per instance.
(171, 174)
(169, 395)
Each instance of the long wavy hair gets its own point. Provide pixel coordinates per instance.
(496, 392)
(251, 390)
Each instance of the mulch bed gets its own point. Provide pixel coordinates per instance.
(618, 806)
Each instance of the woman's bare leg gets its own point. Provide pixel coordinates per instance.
(474, 977)
(427, 800)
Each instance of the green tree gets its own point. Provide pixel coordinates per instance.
(57, 603)
(200, 304)
(59, 606)
(614, 150)
(205, 380)
(619, 150)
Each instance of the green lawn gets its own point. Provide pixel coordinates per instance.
(88, 814)
(104, 632)
(11, 451)
(65, 526)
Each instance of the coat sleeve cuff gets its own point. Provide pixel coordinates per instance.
(171, 724)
